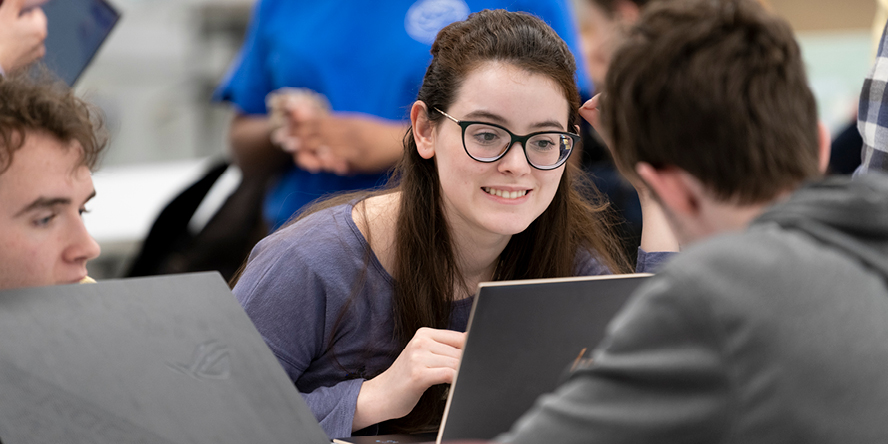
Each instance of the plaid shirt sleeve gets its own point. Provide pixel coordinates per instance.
(872, 116)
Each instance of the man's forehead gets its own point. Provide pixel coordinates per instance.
(41, 145)
(45, 167)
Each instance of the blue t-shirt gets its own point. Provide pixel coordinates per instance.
(365, 57)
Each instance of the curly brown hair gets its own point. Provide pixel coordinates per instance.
(39, 103)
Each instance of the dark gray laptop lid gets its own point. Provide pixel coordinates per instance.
(169, 359)
(523, 338)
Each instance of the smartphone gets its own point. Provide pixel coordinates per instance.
(76, 30)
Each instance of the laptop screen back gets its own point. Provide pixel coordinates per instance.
(523, 338)
(151, 360)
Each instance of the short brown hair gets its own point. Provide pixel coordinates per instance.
(718, 89)
(39, 103)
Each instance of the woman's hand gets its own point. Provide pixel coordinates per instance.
(656, 233)
(591, 113)
(430, 358)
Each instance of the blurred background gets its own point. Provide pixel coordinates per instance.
(153, 78)
(155, 75)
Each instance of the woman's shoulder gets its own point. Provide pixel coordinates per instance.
(321, 250)
(327, 233)
(376, 219)
(588, 263)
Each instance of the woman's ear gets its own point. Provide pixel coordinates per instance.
(422, 130)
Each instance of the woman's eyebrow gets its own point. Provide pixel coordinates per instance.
(496, 118)
(486, 115)
(548, 124)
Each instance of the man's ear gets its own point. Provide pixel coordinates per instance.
(677, 190)
(422, 129)
(825, 146)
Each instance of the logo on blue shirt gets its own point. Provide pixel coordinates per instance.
(426, 17)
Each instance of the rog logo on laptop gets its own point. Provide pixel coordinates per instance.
(210, 360)
(582, 360)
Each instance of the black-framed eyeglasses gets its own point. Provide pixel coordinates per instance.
(489, 142)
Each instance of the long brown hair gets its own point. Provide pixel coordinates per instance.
(426, 267)
(576, 224)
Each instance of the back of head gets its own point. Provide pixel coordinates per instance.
(718, 89)
(39, 103)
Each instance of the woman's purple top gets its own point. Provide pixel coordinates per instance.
(325, 309)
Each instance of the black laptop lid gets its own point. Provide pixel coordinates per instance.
(169, 359)
(523, 338)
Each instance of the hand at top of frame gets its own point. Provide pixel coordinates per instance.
(22, 33)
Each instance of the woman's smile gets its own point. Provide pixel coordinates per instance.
(505, 193)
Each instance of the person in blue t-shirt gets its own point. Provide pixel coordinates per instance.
(367, 60)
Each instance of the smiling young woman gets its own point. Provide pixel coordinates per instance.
(364, 298)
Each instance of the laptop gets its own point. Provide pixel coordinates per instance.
(76, 30)
(170, 359)
(524, 337)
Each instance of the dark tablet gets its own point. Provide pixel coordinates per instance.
(76, 29)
